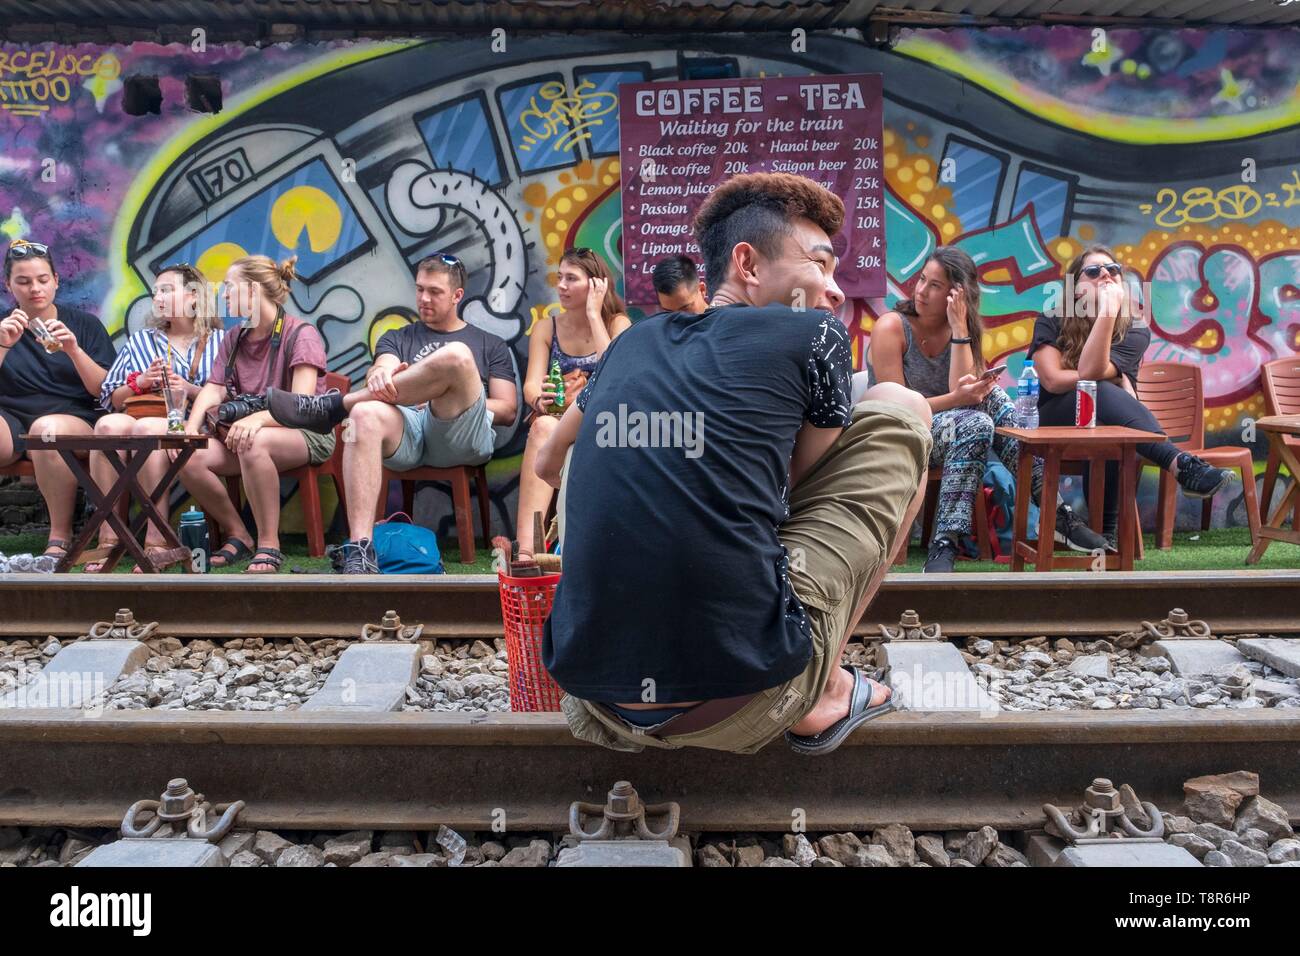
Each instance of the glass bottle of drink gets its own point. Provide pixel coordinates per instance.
(556, 381)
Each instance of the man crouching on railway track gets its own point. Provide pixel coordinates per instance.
(726, 514)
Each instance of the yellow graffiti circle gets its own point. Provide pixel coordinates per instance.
(215, 261)
(385, 323)
(306, 207)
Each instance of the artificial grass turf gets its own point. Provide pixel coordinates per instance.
(1219, 549)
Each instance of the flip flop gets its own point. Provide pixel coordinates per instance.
(269, 556)
(818, 745)
(231, 553)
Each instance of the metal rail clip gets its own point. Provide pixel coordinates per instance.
(1176, 626)
(123, 627)
(391, 628)
(185, 811)
(910, 628)
(1102, 812)
(624, 817)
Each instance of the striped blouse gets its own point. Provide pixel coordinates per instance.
(148, 344)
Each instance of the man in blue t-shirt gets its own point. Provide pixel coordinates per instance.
(727, 514)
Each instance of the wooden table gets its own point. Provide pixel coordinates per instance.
(136, 450)
(1277, 427)
(1097, 446)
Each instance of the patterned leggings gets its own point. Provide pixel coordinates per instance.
(962, 440)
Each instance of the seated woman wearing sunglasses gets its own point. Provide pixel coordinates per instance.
(1100, 340)
(52, 363)
(175, 349)
(591, 315)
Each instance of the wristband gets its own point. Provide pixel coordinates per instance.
(965, 341)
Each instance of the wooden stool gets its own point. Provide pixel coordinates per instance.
(459, 478)
(1278, 427)
(1096, 445)
(135, 449)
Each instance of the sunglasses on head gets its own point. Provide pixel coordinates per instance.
(21, 249)
(1094, 271)
(577, 251)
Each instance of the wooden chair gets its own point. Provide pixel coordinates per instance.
(308, 477)
(459, 477)
(1281, 397)
(22, 468)
(934, 478)
(1173, 393)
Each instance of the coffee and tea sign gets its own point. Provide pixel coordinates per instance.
(679, 141)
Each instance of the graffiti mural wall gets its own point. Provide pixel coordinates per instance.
(1021, 146)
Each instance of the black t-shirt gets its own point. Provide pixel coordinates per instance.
(34, 383)
(1125, 355)
(673, 572)
(416, 341)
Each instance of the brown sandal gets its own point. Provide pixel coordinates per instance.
(270, 556)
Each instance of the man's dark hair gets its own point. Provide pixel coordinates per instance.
(758, 208)
(672, 273)
(444, 264)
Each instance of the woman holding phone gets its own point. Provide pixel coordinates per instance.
(932, 344)
(1100, 339)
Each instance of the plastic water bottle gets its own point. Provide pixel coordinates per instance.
(194, 535)
(1027, 396)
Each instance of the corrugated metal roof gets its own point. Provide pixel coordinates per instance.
(631, 14)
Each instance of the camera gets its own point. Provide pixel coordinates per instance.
(240, 407)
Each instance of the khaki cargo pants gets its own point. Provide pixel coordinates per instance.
(844, 515)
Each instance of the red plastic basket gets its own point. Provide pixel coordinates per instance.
(525, 605)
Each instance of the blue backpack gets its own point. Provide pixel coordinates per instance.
(1003, 484)
(406, 548)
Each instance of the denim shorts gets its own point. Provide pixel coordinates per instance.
(432, 442)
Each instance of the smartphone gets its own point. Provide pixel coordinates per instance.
(993, 373)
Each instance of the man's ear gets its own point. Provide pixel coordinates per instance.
(744, 258)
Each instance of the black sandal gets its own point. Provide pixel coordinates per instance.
(270, 556)
(231, 553)
(860, 711)
(56, 543)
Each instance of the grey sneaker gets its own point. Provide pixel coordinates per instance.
(359, 557)
(317, 413)
(941, 556)
(1200, 479)
(1073, 532)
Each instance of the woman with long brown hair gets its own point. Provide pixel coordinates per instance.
(1099, 338)
(932, 343)
(591, 315)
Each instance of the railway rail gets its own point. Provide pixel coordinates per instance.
(338, 770)
(415, 771)
(466, 606)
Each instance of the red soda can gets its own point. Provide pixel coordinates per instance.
(1085, 405)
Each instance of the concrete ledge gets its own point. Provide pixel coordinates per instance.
(77, 673)
(160, 852)
(1280, 653)
(933, 676)
(623, 853)
(369, 678)
(1196, 658)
